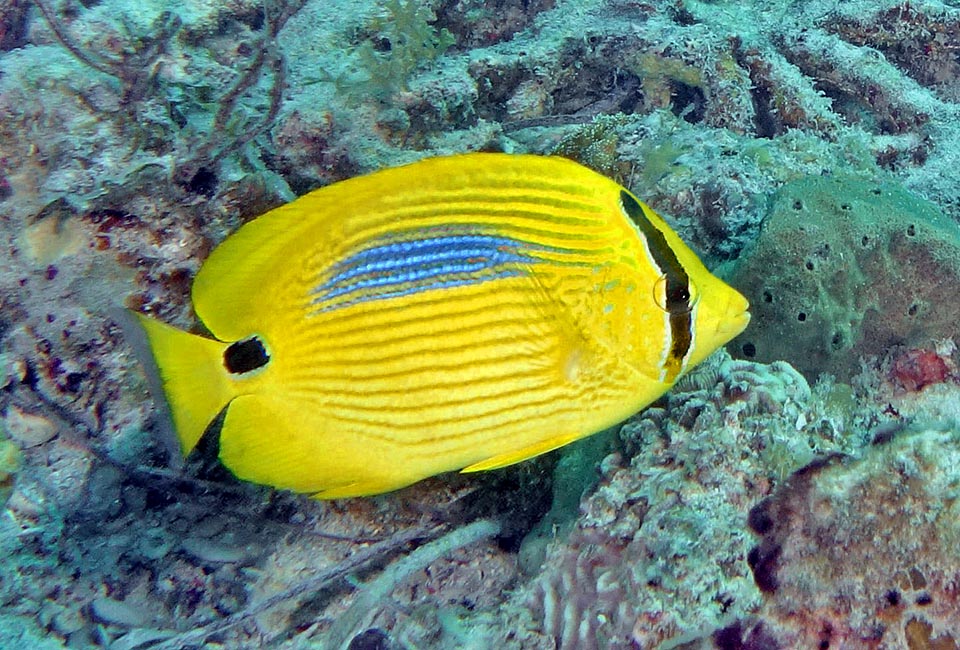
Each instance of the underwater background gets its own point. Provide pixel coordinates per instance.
(797, 490)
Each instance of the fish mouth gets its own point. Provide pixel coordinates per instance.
(734, 327)
(737, 320)
(741, 320)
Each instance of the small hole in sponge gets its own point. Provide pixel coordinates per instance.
(911, 230)
(749, 350)
(798, 205)
(767, 296)
(802, 316)
(809, 265)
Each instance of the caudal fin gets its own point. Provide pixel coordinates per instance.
(193, 377)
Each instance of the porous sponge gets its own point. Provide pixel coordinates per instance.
(846, 267)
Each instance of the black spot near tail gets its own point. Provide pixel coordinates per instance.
(244, 356)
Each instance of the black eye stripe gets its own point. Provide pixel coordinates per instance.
(678, 282)
(678, 295)
(245, 356)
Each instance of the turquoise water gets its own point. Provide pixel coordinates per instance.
(796, 490)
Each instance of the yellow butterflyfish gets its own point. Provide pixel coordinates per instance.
(464, 312)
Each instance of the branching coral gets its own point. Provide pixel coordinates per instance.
(136, 66)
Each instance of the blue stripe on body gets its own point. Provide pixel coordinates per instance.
(401, 268)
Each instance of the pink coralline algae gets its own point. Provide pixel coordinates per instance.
(916, 368)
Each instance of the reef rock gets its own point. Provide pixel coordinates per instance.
(863, 553)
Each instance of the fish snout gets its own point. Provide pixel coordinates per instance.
(736, 319)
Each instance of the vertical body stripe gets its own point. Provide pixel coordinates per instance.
(678, 297)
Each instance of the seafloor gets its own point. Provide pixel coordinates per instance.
(799, 490)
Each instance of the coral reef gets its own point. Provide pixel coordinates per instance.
(148, 103)
(134, 138)
(913, 369)
(656, 554)
(913, 384)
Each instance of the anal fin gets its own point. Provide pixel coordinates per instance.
(358, 489)
(512, 457)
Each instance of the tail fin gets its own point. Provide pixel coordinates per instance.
(194, 379)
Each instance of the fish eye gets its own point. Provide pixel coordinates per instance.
(675, 297)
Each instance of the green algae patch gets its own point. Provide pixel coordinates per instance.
(10, 461)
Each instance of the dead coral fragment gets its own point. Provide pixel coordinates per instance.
(27, 429)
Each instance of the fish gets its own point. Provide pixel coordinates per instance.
(463, 312)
